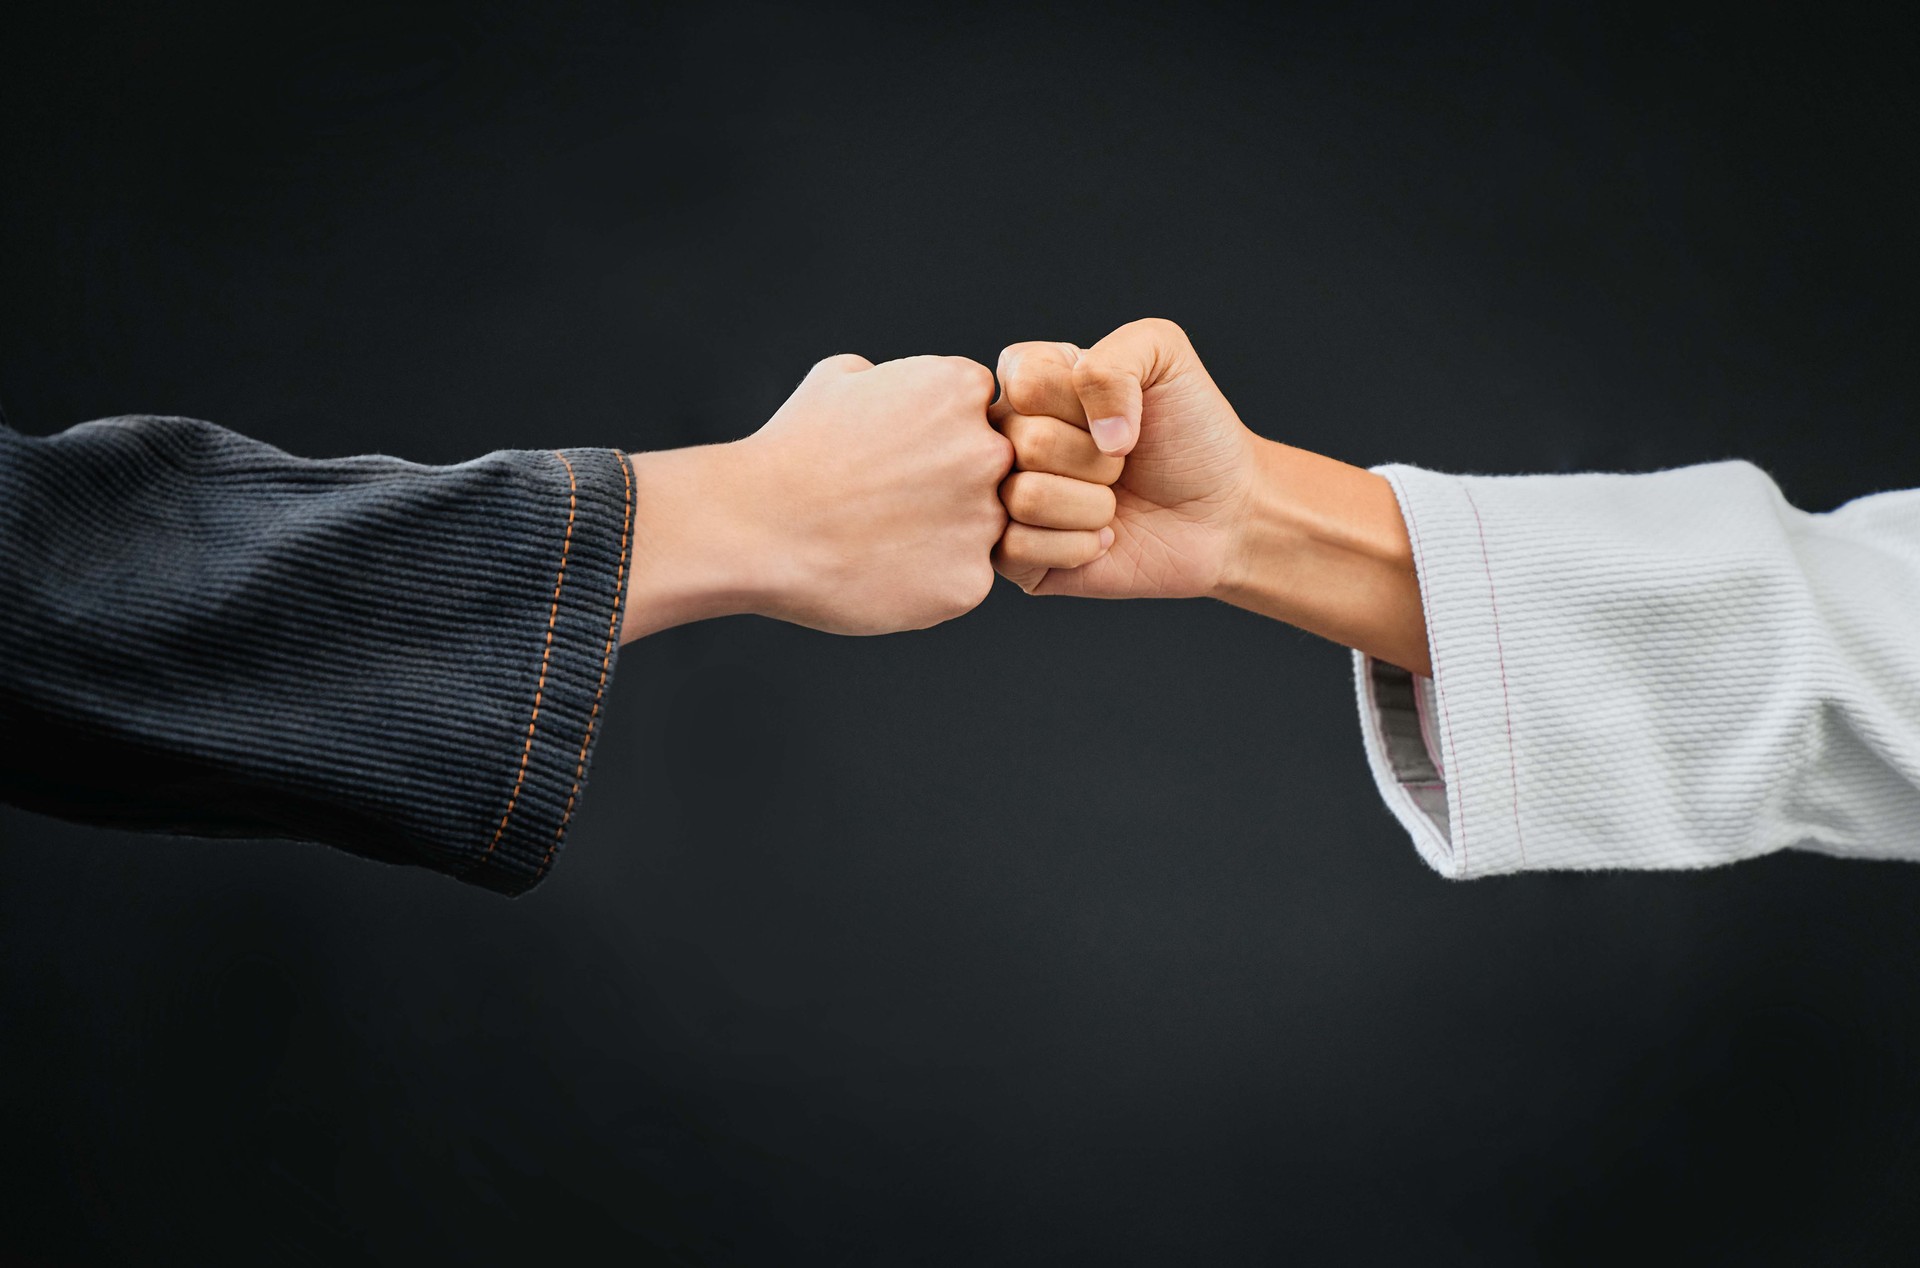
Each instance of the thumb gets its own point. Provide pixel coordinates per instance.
(1112, 378)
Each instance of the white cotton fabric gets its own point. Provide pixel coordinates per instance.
(1670, 670)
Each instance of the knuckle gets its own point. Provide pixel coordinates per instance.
(840, 362)
(1104, 498)
(990, 512)
(1165, 329)
(1020, 389)
(1006, 365)
(1012, 357)
(1020, 496)
(1000, 454)
(1018, 393)
(974, 375)
(994, 521)
(1033, 443)
(1027, 385)
(1090, 373)
(1013, 564)
(976, 586)
(956, 601)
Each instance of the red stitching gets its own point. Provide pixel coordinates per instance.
(1446, 714)
(546, 655)
(1506, 705)
(606, 663)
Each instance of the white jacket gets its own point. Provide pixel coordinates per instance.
(1651, 671)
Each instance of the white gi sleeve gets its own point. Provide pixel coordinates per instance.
(1668, 670)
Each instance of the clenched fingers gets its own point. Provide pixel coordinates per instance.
(1025, 552)
(1051, 501)
(1052, 445)
(1037, 378)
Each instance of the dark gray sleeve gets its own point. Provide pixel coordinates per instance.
(202, 634)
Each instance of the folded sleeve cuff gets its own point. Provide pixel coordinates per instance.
(569, 646)
(1657, 670)
(1441, 749)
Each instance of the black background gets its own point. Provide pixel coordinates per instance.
(1066, 932)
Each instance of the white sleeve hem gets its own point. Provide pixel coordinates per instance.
(1419, 804)
(1669, 670)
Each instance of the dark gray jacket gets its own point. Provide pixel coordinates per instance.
(202, 634)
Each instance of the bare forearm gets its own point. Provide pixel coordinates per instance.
(694, 556)
(1323, 546)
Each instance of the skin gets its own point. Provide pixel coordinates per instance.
(866, 505)
(882, 498)
(1200, 504)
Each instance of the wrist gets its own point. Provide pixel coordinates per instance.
(700, 548)
(1321, 545)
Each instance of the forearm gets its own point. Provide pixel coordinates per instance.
(1322, 546)
(694, 556)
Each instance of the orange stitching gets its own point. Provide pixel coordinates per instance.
(606, 663)
(545, 655)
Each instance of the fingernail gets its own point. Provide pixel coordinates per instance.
(1106, 540)
(1108, 433)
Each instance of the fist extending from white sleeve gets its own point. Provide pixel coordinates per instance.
(1137, 412)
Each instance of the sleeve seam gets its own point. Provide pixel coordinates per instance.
(546, 657)
(606, 665)
(1500, 656)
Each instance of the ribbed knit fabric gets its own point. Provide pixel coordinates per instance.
(1651, 671)
(202, 634)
